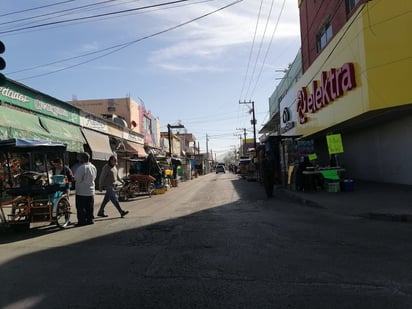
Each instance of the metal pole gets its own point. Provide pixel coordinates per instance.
(253, 121)
(170, 142)
(254, 126)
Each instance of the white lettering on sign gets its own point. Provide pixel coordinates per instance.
(55, 110)
(333, 85)
(93, 123)
(7, 92)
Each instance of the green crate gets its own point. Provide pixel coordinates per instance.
(333, 187)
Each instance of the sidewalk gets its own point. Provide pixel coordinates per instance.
(372, 200)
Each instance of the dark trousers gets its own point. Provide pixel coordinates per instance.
(268, 184)
(84, 207)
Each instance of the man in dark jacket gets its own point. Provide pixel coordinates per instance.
(268, 175)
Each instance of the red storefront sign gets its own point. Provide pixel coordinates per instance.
(333, 85)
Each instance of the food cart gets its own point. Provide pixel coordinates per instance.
(136, 185)
(28, 191)
(142, 175)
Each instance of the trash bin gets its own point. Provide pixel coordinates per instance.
(347, 185)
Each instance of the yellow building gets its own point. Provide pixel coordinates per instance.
(359, 87)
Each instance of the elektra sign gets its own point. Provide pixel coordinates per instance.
(332, 86)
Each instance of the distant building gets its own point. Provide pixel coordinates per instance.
(128, 113)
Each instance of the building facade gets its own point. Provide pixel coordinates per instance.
(129, 114)
(28, 113)
(354, 84)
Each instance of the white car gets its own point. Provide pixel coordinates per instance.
(220, 169)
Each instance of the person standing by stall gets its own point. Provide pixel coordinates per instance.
(268, 172)
(59, 169)
(303, 183)
(85, 176)
(107, 180)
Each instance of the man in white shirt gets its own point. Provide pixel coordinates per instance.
(85, 176)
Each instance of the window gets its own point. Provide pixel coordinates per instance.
(147, 122)
(324, 36)
(350, 5)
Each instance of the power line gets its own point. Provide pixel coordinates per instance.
(267, 50)
(251, 49)
(36, 8)
(56, 12)
(260, 47)
(106, 6)
(119, 47)
(92, 16)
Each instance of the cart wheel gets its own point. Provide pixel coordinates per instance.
(151, 189)
(63, 213)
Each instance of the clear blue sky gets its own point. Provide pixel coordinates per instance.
(190, 61)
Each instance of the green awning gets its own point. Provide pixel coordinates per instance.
(64, 132)
(17, 124)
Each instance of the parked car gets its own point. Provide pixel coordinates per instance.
(220, 169)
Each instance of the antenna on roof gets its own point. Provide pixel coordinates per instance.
(141, 102)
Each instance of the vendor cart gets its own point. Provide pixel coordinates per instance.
(136, 185)
(28, 191)
(143, 175)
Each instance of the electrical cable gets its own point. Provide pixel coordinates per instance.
(56, 12)
(125, 45)
(267, 50)
(92, 16)
(251, 49)
(35, 8)
(260, 47)
(111, 17)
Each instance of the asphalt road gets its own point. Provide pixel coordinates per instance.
(212, 242)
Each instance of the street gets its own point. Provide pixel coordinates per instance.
(212, 242)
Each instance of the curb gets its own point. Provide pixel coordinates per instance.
(392, 217)
(300, 200)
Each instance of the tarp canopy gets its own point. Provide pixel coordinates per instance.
(99, 144)
(64, 132)
(17, 124)
(135, 148)
(26, 145)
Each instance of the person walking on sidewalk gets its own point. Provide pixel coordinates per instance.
(85, 188)
(107, 181)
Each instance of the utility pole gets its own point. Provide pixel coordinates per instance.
(244, 140)
(253, 121)
(240, 142)
(207, 154)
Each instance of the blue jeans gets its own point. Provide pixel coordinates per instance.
(110, 195)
